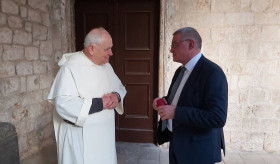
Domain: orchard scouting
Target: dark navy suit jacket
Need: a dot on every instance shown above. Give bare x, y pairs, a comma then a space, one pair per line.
200, 116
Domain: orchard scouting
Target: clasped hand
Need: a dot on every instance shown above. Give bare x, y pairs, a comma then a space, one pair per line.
165, 111
110, 101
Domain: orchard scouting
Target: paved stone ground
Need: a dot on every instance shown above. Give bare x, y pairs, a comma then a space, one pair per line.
140, 153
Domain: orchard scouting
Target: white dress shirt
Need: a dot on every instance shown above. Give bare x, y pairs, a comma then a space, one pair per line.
189, 67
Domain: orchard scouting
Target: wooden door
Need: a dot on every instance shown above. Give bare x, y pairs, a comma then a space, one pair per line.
134, 26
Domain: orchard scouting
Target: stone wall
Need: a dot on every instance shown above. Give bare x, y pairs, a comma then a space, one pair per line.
34, 34
243, 37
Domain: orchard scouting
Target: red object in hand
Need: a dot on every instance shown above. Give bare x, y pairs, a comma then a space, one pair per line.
161, 102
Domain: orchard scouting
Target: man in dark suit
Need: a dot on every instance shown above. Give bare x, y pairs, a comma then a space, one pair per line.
196, 113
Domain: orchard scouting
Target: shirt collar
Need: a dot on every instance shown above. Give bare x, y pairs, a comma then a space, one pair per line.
190, 65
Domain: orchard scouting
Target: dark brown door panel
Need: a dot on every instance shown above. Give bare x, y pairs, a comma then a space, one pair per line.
134, 26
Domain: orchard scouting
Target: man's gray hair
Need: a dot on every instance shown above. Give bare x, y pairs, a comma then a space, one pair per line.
189, 32
94, 36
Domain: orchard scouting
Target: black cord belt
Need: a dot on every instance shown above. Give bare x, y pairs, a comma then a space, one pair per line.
69, 122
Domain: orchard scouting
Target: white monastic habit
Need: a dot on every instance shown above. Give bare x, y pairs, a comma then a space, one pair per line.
92, 139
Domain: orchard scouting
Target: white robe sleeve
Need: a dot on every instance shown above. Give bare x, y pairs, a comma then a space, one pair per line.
120, 89
68, 103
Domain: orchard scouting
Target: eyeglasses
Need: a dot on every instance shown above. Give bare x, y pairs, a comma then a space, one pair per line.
175, 44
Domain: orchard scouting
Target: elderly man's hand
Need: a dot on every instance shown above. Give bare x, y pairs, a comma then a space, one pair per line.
166, 112
110, 101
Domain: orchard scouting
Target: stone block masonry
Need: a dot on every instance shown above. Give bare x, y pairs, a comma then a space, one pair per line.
243, 37
31, 42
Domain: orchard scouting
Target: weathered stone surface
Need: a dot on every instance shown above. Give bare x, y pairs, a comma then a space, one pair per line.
5, 35
45, 19
246, 18
58, 56
271, 33
230, 5
7, 69
33, 82
8, 144
46, 48
270, 126
22, 38
24, 68
9, 85
23, 2
9, 6
35, 111
261, 5
251, 33
46, 81
270, 142
14, 22
19, 114
28, 27
22, 84
13, 52
30, 98
266, 18
242, 36
40, 67
39, 4
232, 34
23, 144
250, 124
10, 102
31, 53
23, 12
207, 19
3, 19
57, 14
40, 32
263, 111
34, 16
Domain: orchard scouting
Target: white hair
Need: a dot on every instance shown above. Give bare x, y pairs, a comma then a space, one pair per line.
94, 36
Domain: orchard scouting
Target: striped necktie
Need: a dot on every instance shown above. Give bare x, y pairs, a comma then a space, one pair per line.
173, 92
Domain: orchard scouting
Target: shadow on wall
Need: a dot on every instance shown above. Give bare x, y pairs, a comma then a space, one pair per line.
8, 143
46, 156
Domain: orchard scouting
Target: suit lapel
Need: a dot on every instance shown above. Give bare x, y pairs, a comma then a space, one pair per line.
195, 73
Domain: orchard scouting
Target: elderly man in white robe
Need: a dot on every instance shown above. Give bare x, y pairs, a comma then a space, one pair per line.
85, 93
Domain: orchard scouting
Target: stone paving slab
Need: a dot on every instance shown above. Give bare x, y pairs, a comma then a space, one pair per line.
147, 153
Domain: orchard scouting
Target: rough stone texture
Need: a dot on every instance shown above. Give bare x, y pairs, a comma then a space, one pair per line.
31, 36
40, 67
39, 32
24, 68
243, 37
7, 69
28, 27
3, 19
22, 38
8, 144
40, 4
23, 12
13, 52
14, 22
31, 53
5, 35
9, 86
33, 83
9, 6
34, 16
